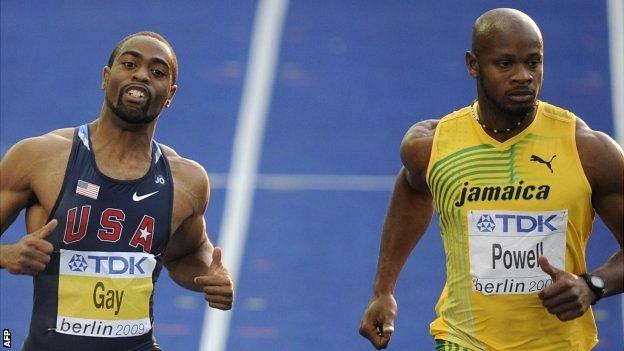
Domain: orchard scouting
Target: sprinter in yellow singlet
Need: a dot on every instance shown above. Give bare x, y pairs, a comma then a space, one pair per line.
516, 182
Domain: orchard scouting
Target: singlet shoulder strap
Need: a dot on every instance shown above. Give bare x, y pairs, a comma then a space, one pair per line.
156, 151
83, 135
68, 167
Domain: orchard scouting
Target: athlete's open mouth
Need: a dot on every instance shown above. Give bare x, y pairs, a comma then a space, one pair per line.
136, 94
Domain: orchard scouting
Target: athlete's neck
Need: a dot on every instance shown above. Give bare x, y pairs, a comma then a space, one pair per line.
500, 124
119, 153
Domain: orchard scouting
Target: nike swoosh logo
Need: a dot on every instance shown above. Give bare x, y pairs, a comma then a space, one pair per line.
136, 197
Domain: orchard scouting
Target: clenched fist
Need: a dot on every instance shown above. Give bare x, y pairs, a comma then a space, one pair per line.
378, 322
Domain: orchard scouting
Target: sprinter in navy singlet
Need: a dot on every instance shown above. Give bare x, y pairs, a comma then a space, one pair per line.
106, 208
108, 249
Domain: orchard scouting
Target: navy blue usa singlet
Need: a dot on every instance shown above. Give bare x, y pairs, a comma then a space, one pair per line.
96, 292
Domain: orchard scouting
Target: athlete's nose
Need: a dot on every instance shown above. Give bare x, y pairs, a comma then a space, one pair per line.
522, 75
141, 74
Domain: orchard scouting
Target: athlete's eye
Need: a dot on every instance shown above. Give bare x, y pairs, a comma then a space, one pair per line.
158, 73
128, 64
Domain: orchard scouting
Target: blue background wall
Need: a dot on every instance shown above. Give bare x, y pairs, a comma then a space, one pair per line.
352, 77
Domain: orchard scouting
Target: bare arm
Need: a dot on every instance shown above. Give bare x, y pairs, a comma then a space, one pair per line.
410, 209
570, 296
408, 216
189, 253
15, 190
190, 258
17, 168
608, 200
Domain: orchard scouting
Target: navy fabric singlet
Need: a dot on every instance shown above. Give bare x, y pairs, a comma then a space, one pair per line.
96, 292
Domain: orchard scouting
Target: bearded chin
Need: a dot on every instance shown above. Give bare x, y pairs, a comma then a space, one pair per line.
518, 111
131, 115
521, 110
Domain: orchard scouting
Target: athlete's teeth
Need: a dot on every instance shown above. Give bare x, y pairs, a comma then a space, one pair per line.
136, 93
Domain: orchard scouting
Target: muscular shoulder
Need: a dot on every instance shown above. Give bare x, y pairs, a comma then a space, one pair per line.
191, 182
416, 151
416, 145
35, 152
49, 143
598, 152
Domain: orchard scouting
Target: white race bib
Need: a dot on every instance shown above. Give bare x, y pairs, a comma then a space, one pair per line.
104, 294
505, 245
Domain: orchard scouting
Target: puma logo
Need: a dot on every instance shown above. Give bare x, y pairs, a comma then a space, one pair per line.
547, 163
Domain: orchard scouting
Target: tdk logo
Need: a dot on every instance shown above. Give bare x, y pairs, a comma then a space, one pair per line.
485, 223
77, 263
117, 264
518, 223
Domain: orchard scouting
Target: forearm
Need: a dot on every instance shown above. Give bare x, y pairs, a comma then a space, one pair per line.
409, 214
184, 269
612, 272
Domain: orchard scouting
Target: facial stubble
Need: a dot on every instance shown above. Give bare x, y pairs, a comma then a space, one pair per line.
131, 115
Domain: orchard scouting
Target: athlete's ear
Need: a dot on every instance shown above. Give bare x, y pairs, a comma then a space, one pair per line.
172, 91
472, 64
105, 74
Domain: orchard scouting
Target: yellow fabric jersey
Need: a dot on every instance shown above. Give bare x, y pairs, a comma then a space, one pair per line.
501, 205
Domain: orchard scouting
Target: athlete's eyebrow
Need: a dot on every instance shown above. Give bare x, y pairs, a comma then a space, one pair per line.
132, 53
137, 54
504, 56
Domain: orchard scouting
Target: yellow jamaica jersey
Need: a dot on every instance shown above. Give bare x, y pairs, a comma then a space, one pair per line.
501, 206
